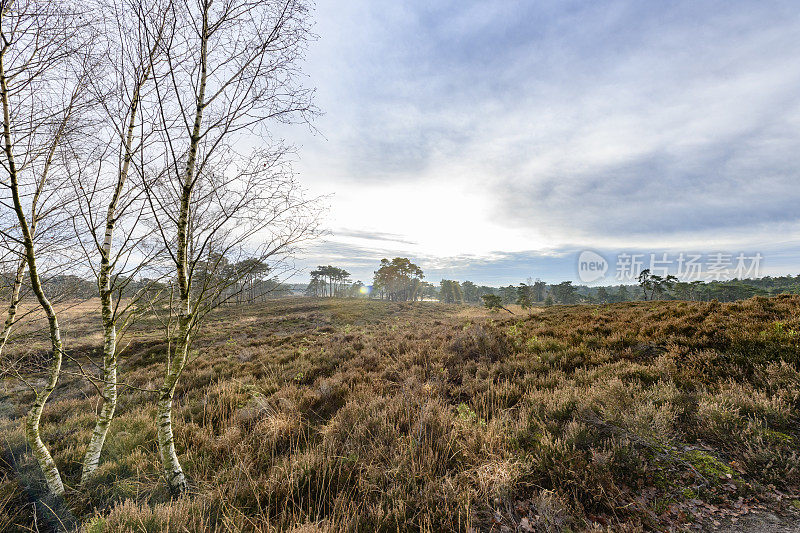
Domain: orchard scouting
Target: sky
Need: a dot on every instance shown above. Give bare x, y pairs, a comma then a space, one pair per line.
496, 141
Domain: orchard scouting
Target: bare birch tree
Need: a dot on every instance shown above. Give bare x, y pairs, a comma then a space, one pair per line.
107, 184
230, 68
44, 65
14, 287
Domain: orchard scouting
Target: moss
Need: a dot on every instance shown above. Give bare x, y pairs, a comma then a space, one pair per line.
688, 493
707, 465
776, 437
468, 415
96, 525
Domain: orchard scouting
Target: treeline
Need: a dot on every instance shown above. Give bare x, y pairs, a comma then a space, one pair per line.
330, 281
401, 280
397, 280
244, 282
723, 291
568, 293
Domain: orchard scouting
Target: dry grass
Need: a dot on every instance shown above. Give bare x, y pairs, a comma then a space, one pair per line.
310, 415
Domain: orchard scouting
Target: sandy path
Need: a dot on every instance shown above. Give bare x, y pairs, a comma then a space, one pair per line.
762, 523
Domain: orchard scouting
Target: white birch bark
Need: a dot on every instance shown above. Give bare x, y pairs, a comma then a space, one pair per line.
11, 314
28, 230
173, 471
33, 436
91, 459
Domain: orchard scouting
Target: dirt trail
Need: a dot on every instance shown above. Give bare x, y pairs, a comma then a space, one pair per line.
763, 523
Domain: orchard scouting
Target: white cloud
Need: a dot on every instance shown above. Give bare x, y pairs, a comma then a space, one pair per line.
474, 127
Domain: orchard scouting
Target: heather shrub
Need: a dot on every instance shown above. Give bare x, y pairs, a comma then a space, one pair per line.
376, 416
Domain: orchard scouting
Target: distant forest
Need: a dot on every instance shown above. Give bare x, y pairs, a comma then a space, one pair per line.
402, 280
233, 285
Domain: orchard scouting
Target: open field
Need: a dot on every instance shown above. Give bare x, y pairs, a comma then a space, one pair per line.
337, 415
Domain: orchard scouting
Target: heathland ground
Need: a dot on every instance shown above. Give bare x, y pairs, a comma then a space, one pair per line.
363, 415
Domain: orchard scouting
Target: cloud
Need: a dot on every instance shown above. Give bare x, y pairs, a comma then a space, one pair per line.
372, 236
457, 128
360, 261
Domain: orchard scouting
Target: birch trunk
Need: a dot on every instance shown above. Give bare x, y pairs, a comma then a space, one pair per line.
12, 304
166, 443
40, 451
177, 360
32, 434
92, 458
176, 480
